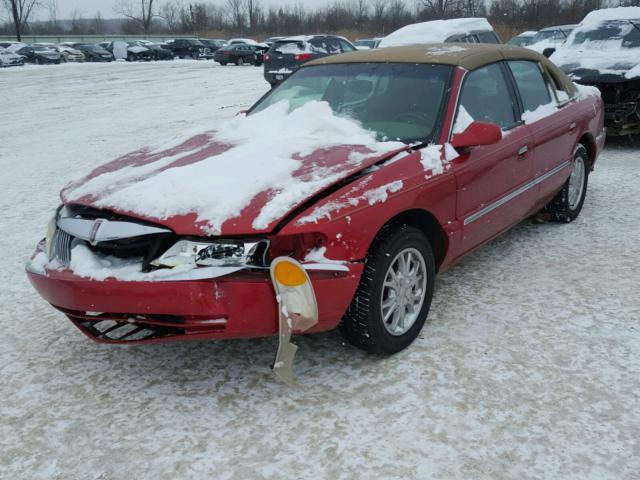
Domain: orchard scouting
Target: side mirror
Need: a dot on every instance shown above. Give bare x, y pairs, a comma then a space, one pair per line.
477, 134
547, 52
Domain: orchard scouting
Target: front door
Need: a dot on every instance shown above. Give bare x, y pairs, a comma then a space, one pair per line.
491, 180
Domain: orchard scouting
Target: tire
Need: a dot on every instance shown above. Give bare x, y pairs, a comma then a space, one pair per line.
568, 203
224, 64
363, 325
239, 61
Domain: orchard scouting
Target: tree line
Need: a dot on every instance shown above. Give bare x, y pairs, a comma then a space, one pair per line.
251, 18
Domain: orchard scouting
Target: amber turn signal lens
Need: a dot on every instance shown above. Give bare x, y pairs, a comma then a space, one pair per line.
289, 274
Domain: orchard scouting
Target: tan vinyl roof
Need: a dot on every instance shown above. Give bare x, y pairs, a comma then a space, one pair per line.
468, 56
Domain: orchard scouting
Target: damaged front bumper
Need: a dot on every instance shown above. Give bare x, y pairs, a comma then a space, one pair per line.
213, 303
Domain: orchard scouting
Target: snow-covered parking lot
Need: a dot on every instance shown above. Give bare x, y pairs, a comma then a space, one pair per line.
528, 368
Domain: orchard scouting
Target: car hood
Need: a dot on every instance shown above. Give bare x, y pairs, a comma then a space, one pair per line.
598, 65
216, 184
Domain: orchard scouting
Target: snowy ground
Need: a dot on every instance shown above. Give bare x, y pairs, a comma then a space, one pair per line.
529, 367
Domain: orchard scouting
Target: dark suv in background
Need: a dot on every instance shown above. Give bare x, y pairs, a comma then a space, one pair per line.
187, 48
287, 55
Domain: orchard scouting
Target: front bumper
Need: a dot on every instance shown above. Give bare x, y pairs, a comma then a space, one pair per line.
239, 305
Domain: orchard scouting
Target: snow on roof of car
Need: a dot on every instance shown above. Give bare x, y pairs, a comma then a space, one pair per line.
436, 31
602, 55
595, 18
528, 33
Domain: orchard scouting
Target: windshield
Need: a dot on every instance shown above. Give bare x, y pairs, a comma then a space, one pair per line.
397, 101
611, 34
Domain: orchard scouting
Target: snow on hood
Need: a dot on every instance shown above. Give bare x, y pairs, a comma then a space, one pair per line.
436, 31
242, 178
601, 57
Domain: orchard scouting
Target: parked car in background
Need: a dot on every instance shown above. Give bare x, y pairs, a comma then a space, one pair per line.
92, 52
239, 54
459, 30
10, 59
135, 52
604, 52
551, 37
358, 242
367, 43
523, 39
271, 40
39, 55
70, 54
187, 48
11, 45
156, 51
67, 54
213, 45
287, 55
245, 41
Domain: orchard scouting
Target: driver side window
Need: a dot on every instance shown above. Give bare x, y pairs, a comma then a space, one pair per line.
486, 97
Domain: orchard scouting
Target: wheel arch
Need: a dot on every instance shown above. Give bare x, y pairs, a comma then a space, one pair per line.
428, 224
589, 143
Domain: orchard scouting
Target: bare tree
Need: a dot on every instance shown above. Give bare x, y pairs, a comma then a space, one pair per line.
170, 13
142, 14
20, 11
236, 12
254, 11
440, 8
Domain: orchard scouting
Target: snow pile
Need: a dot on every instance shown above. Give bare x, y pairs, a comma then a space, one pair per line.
267, 148
463, 120
587, 91
611, 56
539, 113
436, 31
437, 51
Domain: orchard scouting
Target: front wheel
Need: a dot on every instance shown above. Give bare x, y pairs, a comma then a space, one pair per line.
568, 203
239, 61
394, 296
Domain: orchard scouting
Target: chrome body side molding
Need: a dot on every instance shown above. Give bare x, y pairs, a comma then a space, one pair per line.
498, 203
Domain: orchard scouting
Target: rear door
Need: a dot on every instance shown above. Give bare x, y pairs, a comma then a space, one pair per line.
492, 180
552, 124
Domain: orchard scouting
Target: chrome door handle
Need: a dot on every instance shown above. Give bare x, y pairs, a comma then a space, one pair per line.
523, 151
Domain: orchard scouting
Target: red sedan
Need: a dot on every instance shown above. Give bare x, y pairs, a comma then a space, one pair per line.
333, 203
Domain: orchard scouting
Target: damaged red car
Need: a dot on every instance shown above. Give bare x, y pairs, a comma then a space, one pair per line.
374, 171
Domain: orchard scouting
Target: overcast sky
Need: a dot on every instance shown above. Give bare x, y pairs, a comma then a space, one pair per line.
90, 7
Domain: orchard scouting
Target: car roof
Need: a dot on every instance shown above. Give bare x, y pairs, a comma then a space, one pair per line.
465, 55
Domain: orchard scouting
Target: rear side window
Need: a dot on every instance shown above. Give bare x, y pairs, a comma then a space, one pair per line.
326, 45
488, 37
346, 47
531, 84
486, 97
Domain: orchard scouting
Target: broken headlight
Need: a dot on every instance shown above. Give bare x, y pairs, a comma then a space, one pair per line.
219, 253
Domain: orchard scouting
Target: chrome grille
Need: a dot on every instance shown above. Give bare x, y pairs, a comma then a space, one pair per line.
61, 250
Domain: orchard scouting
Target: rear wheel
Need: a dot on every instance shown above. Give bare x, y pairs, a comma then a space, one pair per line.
239, 61
568, 203
394, 296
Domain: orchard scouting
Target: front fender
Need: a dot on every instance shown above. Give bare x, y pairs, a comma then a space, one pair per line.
351, 217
